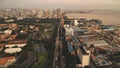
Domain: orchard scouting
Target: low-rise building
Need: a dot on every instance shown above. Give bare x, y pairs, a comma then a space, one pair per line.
13, 50
18, 43
96, 43
1, 46
8, 31
7, 61
84, 56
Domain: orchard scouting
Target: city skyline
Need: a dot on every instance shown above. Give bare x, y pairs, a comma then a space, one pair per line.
65, 4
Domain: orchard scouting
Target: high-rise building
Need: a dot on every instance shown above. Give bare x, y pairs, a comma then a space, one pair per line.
58, 12
40, 14
46, 13
33, 11
51, 13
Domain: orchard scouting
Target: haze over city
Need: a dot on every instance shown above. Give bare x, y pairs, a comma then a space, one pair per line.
69, 4
59, 34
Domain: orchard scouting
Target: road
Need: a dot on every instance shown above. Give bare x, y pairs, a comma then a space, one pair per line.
55, 62
58, 55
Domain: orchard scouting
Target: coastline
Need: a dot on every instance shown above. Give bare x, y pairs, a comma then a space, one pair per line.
107, 18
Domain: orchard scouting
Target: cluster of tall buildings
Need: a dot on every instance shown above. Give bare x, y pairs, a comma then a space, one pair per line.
30, 13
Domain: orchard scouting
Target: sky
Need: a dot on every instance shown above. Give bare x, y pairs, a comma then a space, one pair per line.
65, 4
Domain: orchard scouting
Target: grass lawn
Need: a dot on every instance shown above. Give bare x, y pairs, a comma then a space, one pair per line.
41, 60
36, 45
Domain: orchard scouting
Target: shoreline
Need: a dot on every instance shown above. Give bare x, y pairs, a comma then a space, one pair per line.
107, 18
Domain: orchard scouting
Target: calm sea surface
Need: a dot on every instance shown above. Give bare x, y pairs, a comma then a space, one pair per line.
108, 18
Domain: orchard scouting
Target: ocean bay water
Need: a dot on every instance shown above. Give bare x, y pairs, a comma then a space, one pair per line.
108, 18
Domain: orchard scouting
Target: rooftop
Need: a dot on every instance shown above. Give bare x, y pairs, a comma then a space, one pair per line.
12, 50
9, 58
20, 41
75, 40
101, 60
1, 45
96, 43
70, 48
4, 60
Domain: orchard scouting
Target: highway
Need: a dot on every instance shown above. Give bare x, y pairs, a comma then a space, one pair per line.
58, 57
55, 61
58, 61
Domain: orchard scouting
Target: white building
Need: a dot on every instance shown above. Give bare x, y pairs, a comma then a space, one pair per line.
51, 13
13, 45
84, 56
69, 30
33, 11
76, 22
32, 26
10, 20
13, 50
8, 32
40, 14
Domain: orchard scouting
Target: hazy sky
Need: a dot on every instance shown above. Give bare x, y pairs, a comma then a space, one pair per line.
70, 4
